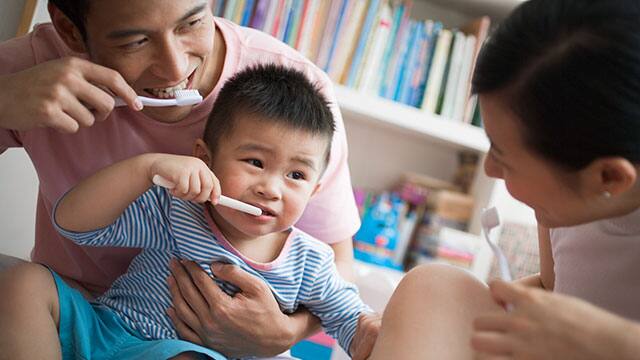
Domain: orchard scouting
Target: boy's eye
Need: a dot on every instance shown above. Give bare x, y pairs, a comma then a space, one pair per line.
296, 175
254, 162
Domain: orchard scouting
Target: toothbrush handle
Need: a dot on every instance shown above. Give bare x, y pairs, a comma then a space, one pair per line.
223, 201
239, 205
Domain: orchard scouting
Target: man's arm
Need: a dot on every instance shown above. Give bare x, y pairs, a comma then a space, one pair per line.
343, 252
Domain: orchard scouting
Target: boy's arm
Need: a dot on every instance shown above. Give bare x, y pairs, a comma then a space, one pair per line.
99, 200
336, 303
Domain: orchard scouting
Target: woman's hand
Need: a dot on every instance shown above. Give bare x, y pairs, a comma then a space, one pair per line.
546, 325
249, 323
191, 177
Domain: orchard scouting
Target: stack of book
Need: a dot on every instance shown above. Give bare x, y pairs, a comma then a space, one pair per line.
422, 220
376, 47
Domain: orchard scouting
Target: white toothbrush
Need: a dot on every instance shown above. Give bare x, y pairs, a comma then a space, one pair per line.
182, 98
490, 219
224, 201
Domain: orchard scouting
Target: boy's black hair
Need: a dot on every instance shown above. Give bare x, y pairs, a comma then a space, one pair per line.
76, 11
571, 72
273, 93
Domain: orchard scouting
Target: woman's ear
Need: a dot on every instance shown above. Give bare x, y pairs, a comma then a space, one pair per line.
612, 175
202, 152
68, 32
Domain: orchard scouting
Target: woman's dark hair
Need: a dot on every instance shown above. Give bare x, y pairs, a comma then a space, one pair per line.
272, 93
571, 72
76, 11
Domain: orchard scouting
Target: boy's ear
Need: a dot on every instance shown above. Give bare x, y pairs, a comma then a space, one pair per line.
68, 32
202, 152
614, 175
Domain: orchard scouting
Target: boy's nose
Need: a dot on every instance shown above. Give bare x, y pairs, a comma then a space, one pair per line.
268, 189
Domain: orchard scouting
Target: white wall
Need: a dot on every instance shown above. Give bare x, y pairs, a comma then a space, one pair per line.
18, 181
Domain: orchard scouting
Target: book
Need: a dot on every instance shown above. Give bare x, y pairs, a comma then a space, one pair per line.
409, 67
436, 73
271, 15
247, 11
385, 68
348, 40
260, 14
425, 59
369, 75
328, 38
462, 89
229, 8
364, 38
454, 74
285, 20
400, 45
319, 22
480, 29
305, 29
238, 11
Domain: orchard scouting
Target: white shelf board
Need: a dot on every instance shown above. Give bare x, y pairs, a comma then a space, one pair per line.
384, 112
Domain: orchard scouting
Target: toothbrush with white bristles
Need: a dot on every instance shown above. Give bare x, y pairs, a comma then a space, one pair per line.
182, 98
224, 201
490, 219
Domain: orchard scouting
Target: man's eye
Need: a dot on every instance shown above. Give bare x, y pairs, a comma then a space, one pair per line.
296, 175
135, 44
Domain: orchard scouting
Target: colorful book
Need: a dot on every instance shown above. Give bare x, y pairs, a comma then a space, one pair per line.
260, 14
238, 11
369, 75
454, 75
291, 32
229, 9
271, 15
304, 32
480, 29
365, 37
387, 68
435, 77
348, 36
247, 12
409, 63
319, 23
463, 87
328, 39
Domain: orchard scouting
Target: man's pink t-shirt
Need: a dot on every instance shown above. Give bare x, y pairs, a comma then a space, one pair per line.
61, 160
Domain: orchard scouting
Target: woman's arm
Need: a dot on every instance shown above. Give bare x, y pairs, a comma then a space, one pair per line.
545, 278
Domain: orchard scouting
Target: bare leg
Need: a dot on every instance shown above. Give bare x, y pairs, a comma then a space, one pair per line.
430, 315
29, 311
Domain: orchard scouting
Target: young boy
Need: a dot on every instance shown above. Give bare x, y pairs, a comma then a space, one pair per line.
267, 142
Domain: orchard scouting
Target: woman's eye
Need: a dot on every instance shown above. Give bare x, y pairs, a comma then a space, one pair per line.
296, 175
195, 22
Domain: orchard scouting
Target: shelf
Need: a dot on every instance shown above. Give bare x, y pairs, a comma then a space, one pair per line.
387, 113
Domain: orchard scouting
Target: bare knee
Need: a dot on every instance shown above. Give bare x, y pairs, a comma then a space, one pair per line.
29, 284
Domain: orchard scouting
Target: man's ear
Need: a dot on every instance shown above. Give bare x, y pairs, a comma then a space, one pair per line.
316, 189
613, 175
68, 32
202, 152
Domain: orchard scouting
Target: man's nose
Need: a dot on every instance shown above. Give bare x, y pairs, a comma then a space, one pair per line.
172, 62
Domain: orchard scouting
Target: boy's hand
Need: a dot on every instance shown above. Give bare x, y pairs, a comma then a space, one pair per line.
191, 177
64, 94
545, 325
365, 336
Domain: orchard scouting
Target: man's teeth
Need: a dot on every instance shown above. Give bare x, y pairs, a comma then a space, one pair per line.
168, 93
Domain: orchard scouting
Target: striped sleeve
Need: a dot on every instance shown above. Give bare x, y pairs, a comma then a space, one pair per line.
335, 302
143, 224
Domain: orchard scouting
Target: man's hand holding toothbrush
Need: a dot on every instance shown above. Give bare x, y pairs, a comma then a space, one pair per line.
63, 94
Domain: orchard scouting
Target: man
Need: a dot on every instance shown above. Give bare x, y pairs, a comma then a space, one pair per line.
56, 87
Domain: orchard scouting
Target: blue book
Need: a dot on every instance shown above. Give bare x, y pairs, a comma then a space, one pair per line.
398, 58
431, 33
397, 19
409, 68
358, 56
294, 16
246, 13
334, 41
218, 9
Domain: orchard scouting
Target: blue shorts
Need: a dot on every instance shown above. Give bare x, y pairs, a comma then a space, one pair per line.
94, 331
